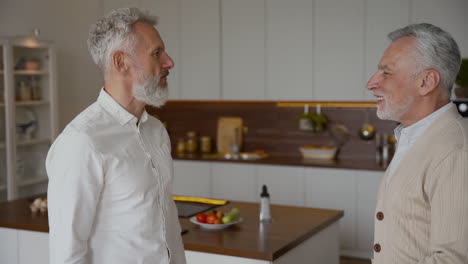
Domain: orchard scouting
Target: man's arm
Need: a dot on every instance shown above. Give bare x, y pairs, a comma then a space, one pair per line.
449, 211
76, 177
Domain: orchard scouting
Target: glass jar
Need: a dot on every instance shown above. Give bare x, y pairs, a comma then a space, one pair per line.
180, 146
205, 144
24, 93
191, 144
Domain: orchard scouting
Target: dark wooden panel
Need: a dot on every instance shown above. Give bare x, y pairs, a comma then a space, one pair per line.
270, 128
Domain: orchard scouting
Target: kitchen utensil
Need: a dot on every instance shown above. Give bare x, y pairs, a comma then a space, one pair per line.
367, 130
340, 134
193, 219
226, 133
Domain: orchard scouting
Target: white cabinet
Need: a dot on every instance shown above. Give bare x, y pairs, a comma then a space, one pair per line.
289, 43
449, 15
382, 17
339, 50
168, 13
192, 178
30, 113
33, 247
200, 50
334, 189
23, 247
367, 188
234, 182
9, 246
285, 184
243, 49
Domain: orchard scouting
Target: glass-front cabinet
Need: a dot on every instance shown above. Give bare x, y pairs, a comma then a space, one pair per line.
3, 167
29, 115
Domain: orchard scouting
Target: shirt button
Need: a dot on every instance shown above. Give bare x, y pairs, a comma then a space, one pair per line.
380, 216
377, 247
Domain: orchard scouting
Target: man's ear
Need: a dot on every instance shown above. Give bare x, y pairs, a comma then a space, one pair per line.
429, 81
119, 61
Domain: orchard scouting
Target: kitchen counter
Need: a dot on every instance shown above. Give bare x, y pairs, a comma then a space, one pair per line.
291, 227
357, 164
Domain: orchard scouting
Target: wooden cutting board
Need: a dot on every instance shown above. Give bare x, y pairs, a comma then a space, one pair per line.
225, 136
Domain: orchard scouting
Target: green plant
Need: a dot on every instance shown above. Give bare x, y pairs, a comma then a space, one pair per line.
318, 122
462, 77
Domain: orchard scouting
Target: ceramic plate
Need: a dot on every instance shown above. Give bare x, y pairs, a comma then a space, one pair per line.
193, 219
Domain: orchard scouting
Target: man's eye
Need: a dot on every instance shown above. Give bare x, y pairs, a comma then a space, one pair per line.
156, 54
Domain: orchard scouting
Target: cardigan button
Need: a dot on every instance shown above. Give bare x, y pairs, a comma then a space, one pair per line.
380, 216
377, 248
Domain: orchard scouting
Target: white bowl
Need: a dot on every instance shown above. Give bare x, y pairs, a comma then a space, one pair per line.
193, 219
318, 152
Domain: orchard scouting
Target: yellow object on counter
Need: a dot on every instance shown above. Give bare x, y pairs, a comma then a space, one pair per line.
199, 200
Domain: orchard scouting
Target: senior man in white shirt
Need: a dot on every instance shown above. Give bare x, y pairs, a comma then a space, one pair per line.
422, 207
110, 170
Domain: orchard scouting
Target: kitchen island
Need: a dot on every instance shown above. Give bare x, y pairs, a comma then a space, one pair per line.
296, 235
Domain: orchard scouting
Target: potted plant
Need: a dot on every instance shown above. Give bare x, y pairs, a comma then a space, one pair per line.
315, 122
462, 80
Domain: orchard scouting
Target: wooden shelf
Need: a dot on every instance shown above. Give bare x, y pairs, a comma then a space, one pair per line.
32, 102
33, 142
25, 72
32, 181
28, 142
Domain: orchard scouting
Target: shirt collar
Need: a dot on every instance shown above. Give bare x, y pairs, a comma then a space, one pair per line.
412, 132
117, 111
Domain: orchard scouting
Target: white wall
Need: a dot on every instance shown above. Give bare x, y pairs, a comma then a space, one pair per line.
311, 48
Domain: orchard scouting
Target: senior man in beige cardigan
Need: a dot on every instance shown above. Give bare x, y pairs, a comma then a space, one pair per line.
422, 206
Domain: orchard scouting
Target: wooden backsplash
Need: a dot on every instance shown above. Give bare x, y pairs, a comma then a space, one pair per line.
270, 127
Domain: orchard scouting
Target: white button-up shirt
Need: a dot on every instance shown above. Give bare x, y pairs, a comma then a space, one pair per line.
407, 136
110, 190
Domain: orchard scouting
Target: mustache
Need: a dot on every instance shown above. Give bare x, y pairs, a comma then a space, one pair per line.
164, 73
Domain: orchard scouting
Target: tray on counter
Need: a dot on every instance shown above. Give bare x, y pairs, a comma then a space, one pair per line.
188, 209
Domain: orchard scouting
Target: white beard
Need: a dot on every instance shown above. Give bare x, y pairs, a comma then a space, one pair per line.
395, 112
150, 92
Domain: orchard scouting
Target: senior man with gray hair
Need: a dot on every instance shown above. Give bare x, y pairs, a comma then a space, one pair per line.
110, 170
422, 206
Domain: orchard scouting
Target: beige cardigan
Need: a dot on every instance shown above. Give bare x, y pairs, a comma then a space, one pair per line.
422, 213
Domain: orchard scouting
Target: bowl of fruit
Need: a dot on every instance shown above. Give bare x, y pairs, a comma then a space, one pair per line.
217, 220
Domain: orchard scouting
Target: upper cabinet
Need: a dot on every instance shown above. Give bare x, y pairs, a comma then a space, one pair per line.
382, 17
169, 27
243, 49
339, 50
289, 47
450, 15
286, 50
200, 49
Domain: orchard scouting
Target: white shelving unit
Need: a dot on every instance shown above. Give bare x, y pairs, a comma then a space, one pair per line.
28, 115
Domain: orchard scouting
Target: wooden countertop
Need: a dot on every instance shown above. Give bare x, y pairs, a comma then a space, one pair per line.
16, 214
357, 164
290, 227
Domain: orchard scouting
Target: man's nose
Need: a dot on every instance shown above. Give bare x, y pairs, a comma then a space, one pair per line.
373, 82
168, 63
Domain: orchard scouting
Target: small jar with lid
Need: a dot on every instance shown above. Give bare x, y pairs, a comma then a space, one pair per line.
205, 144
24, 92
180, 146
191, 145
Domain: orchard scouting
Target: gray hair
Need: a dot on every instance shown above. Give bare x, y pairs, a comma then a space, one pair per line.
113, 32
435, 49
